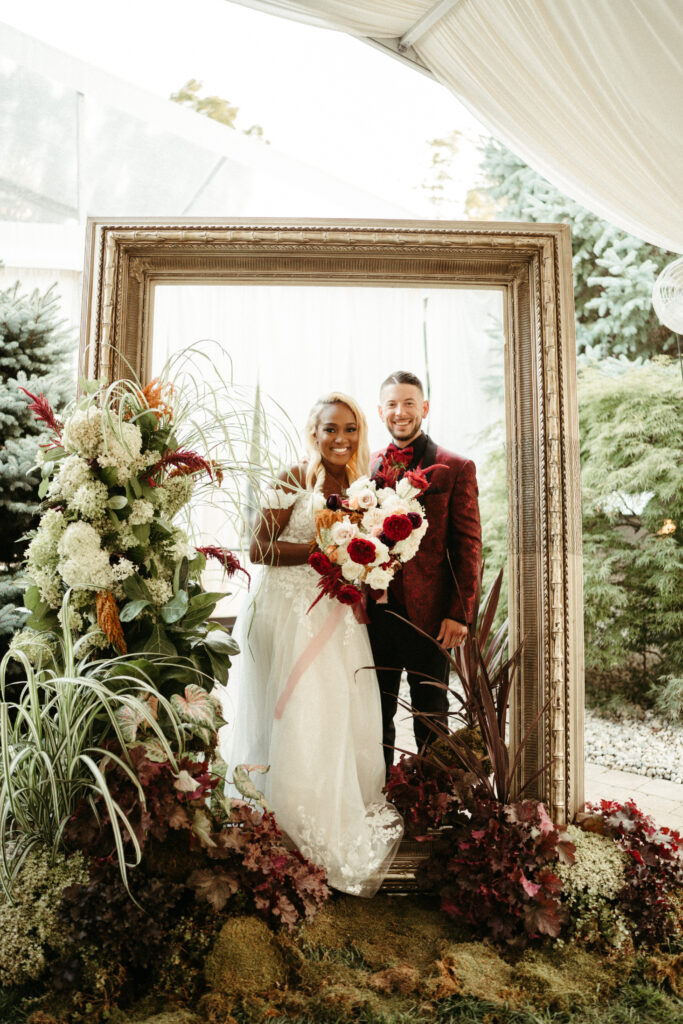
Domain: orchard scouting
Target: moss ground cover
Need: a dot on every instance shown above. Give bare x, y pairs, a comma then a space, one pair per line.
390, 960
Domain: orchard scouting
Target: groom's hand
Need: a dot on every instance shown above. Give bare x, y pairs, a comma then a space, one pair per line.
451, 634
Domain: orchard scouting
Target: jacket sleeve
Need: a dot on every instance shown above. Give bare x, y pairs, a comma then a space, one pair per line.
464, 542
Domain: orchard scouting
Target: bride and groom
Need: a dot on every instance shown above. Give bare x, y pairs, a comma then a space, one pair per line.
323, 743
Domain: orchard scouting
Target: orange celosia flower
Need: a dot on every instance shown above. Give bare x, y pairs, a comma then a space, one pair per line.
156, 397
108, 620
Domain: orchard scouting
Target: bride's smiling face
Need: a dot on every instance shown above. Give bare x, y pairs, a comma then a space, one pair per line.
336, 434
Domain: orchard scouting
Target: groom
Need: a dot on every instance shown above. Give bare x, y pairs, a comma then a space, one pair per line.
424, 592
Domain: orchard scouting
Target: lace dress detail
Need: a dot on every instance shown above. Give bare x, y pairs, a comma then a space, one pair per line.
325, 754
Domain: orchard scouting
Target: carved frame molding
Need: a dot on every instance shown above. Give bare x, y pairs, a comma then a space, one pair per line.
531, 264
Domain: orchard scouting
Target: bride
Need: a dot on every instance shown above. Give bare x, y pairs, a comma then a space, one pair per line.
301, 697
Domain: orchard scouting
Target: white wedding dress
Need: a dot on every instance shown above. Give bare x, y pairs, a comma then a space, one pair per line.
324, 750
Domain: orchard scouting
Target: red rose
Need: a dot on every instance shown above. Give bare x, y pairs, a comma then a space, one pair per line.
415, 519
397, 527
320, 562
361, 551
347, 594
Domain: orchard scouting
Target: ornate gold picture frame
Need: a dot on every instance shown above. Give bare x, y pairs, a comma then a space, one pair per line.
531, 264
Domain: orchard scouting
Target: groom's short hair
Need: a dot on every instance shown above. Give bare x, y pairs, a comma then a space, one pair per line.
402, 377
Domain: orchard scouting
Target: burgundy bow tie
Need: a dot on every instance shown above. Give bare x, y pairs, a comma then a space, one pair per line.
396, 454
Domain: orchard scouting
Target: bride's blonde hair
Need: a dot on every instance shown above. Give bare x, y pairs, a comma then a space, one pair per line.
358, 464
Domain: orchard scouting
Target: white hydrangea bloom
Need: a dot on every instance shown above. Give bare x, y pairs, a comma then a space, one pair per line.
121, 448
125, 538
172, 495
83, 562
49, 585
160, 590
34, 645
73, 473
76, 620
122, 570
179, 546
141, 512
83, 432
43, 549
90, 500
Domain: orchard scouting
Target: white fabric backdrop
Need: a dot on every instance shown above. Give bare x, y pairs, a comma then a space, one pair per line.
302, 342
588, 92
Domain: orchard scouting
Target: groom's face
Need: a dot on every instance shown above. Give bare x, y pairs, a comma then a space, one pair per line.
402, 408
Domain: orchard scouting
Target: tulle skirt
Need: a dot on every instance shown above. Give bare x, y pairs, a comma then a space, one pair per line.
326, 771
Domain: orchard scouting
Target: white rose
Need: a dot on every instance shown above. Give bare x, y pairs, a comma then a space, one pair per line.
352, 571
343, 532
363, 483
381, 552
363, 499
379, 579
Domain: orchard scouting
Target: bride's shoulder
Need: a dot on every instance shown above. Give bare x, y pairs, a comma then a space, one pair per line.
293, 480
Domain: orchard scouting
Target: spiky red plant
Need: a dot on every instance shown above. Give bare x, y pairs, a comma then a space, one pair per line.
43, 412
223, 555
184, 463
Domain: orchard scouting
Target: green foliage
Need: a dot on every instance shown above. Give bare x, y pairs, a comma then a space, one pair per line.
29, 925
633, 528
52, 745
211, 106
613, 271
35, 350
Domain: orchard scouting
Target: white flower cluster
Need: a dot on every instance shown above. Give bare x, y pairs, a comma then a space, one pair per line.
592, 883
83, 561
43, 557
358, 564
120, 448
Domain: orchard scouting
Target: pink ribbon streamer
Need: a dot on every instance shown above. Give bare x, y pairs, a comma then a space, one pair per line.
309, 654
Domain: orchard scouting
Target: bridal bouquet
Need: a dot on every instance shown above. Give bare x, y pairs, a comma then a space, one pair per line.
365, 538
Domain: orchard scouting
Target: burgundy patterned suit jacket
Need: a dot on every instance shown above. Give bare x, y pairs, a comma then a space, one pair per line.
452, 510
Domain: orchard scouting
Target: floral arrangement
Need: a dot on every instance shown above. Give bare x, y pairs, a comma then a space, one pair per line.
115, 475
653, 871
364, 538
494, 870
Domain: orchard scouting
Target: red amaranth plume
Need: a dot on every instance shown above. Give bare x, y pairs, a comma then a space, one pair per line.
418, 477
184, 464
223, 555
43, 412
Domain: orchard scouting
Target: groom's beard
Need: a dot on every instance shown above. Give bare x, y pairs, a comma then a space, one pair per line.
402, 441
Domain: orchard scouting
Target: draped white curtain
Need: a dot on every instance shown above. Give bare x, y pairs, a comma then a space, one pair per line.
588, 92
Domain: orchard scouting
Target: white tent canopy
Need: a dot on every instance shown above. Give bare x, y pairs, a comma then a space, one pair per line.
588, 92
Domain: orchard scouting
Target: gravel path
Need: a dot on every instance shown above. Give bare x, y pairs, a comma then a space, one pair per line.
650, 746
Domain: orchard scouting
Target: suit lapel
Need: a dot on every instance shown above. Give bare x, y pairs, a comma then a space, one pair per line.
429, 457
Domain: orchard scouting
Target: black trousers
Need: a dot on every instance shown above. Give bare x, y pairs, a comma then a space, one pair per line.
397, 646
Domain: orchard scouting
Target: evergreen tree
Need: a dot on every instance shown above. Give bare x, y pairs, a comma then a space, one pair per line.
633, 529
35, 353
613, 271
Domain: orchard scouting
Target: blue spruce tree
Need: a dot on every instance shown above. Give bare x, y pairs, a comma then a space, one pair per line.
36, 352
